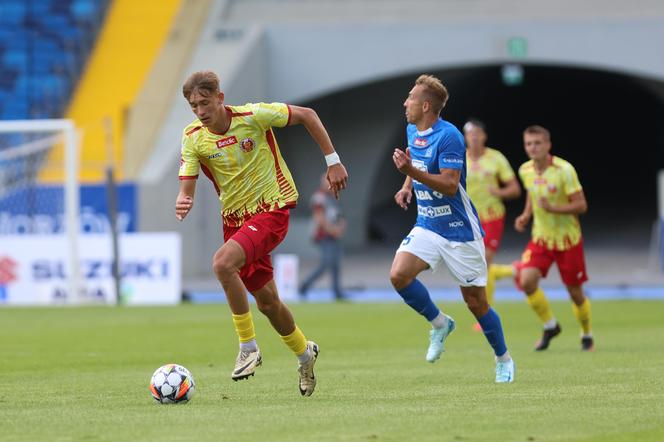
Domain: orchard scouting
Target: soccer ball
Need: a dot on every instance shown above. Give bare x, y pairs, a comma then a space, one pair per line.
172, 384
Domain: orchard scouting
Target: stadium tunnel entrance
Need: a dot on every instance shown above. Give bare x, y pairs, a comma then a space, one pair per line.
607, 124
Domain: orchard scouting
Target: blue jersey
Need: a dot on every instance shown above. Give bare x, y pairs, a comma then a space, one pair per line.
442, 147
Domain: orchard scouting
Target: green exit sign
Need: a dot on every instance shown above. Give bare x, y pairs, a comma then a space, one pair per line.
517, 47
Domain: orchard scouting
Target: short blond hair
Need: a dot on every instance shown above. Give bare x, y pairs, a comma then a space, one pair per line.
202, 80
434, 90
538, 130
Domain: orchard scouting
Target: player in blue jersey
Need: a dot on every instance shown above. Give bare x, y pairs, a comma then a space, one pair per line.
447, 228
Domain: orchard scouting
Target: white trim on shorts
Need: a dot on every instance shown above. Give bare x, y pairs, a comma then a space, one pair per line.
465, 261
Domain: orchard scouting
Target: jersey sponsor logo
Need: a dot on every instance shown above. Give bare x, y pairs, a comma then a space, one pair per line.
453, 160
419, 165
225, 142
455, 225
434, 211
423, 195
421, 142
247, 144
216, 155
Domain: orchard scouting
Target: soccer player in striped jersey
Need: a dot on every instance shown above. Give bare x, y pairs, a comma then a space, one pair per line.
236, 148
447, 229
491, 180
555, 201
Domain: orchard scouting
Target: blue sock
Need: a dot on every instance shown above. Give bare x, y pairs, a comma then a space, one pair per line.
493, 331
417, 297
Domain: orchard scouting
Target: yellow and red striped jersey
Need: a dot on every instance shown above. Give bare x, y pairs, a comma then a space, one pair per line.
244, 164
489, 170
558, 181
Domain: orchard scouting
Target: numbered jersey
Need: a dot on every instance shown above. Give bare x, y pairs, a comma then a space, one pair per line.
442, 147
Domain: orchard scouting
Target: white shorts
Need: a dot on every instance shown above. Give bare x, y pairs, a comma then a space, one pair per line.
466, 261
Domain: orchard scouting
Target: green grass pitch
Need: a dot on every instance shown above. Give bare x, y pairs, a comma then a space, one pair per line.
82, 374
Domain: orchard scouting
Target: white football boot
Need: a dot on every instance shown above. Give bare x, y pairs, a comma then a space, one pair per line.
306, 371
245, 364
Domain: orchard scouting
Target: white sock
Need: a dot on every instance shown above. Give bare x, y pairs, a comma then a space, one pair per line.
551, 324
439, 321
249, 346
304, 357
504, 358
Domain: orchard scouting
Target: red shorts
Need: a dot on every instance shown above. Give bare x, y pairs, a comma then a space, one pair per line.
571, 263
258, 236
493, 233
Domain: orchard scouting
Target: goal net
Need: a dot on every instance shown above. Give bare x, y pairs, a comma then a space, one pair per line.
39, 202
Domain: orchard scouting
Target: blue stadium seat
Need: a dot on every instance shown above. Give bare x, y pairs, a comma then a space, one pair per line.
8, 78
41, 7
84, 10
12, 12
14, 36
43, 48
15, 58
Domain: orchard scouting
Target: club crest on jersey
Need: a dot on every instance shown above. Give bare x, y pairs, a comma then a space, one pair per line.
247, 144
225, 142
421, 142
552, 188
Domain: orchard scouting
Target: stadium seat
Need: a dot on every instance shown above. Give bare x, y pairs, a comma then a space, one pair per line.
12, 12
13, 58
43, 47
84, 10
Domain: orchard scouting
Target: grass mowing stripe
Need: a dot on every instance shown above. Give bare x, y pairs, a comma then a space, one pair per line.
82, 374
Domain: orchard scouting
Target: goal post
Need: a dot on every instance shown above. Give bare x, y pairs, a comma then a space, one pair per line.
37, 140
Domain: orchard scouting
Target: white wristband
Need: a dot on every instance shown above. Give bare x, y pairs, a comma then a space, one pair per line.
332, 159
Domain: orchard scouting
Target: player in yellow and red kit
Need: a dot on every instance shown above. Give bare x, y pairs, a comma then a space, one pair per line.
490, 181
555, 199
236, 148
